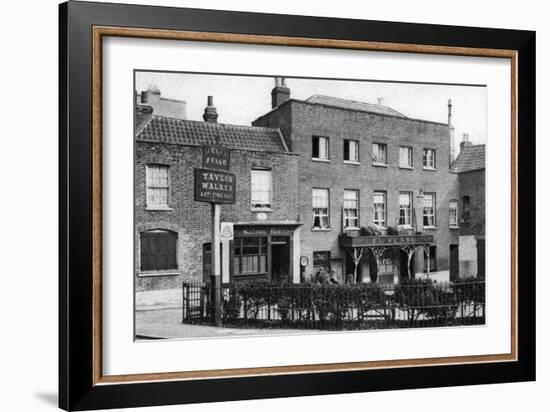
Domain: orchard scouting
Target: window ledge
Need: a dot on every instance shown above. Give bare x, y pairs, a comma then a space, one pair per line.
318, 229
159, 273
429, 227
261, 209
430, 169
380, 164
316, 159
159, 209
406, 167
454, 227
351, 162
352, 229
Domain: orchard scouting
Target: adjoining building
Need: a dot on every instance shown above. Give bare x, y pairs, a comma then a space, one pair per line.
172, 231
162, 106
470, 167
368, 166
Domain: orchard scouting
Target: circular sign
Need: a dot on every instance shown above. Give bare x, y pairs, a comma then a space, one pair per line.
261, 216
304, 261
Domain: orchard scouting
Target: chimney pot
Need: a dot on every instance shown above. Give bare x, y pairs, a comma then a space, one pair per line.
210, 113
380, 101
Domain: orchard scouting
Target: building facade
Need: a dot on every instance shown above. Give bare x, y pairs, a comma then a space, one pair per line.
369, 166
172, 231
470, 167
324, 186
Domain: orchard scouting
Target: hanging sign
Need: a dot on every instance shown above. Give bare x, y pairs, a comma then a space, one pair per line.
214, 186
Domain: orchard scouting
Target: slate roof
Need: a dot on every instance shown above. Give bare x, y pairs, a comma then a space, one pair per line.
191, 132
353, 105
470, 158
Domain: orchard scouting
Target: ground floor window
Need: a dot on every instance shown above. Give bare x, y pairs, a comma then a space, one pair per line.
250, 255
321, 263
158, 250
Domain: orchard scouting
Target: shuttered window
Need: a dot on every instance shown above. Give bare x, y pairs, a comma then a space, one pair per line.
158, 186
158, 250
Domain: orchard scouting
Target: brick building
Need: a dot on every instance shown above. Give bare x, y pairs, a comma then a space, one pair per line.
368, 166
172, 231
352, 188
470, 167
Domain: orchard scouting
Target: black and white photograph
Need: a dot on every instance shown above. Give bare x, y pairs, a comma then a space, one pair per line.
286, 205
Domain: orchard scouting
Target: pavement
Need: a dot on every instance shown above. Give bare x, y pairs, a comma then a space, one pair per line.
166, 324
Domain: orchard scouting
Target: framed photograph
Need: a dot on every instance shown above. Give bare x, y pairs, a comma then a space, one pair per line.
257, 206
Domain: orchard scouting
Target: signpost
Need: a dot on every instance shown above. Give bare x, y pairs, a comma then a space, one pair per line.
214, 185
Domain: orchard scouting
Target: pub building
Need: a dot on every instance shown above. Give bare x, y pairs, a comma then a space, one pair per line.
173, 231
321, 185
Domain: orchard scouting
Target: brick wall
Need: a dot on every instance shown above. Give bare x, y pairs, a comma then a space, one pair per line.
299, 122
190, 219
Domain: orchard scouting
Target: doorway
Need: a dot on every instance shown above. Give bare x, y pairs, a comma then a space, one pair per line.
403, 270
453, 262
280, 258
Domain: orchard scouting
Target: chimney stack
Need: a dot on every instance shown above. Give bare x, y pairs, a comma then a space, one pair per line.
151, 96
451, 133
465, 141
280, 93
210, 112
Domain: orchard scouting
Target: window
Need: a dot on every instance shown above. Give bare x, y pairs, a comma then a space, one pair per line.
405, 156
380, 209
429, 210
158, 250
465, 209
379, 153
429, 159
386, 268
453, 213
261, 189
321, 260
405, 208
320, 208
351, 209
351, 151
157, 181
431, 259
319, 148
250, 255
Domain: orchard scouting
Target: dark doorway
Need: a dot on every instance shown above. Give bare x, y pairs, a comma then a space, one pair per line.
481, 258
280, 258
403, 259
454, 264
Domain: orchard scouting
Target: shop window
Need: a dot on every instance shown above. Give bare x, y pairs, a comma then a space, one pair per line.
250, 255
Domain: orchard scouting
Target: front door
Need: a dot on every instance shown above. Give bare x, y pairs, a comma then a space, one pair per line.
454, 263
280, 258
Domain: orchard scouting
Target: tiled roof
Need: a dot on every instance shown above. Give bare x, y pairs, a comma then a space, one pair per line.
177, 131
142, 116
353, 105
470, 158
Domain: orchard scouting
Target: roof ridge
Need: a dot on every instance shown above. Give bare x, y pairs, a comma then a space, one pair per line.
212, 124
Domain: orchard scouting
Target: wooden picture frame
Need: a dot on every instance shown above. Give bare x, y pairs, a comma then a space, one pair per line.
82, 386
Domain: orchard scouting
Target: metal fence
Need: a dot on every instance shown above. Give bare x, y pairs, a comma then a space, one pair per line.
416, 303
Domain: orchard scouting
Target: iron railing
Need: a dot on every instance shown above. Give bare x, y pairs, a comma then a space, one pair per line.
337, 307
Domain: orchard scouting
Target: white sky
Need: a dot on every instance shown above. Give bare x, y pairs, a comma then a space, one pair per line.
242, 99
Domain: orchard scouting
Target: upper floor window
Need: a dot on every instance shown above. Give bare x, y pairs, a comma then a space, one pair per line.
453, 213
428, 211
158, 186
405, 156
428, 161
379, 154
158, 250
320, 203
405, 208
319, 148
351, 151
465, 209
379, 202
351, 209
261, 189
